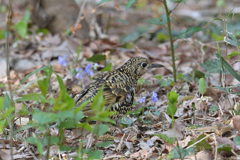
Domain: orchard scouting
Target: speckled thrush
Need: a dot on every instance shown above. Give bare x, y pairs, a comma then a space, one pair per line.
119, 86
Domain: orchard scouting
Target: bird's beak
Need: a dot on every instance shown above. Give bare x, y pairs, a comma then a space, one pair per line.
154, 65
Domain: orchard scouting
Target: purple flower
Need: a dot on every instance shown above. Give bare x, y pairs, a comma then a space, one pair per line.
142, 100
80, 73
154, 97
63, 60
88, 70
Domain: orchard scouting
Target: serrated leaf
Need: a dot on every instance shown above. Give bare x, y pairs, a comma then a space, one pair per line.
129, 4
44, 117
107, 68
212, 66
97, 58
103, 1
32, 97
158, 21
202, 86
190, 31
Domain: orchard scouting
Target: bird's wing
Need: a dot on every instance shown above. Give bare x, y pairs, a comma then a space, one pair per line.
113, 91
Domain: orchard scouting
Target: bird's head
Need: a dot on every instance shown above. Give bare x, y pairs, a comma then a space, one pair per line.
138, 66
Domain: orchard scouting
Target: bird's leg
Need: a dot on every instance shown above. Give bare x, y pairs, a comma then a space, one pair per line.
118, 124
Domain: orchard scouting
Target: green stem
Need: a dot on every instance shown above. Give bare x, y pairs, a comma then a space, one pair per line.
171, 41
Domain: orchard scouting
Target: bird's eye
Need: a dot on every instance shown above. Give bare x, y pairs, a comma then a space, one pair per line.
144, 64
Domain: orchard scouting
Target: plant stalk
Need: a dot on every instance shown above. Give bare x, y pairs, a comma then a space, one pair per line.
171, 41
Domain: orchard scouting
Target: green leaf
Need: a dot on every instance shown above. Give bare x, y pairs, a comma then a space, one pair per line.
198, 74
229, 68
132, 36
44, 84
213, 108
202, 86
190, 31
79, 50
126, 121
171, 109
1, 103
172, 96
179, 152
167, 139
97, 58
175, 46
141, 80
44, 31
33, 97
202, 145
107, 68
26, 16
129, 4
178, 1
103, 1
104, 144
224, 147
96, 154
218, 19
63, 115
100, 129
44, 117
37, 142
229, 14
212, 66
158, 76
21, 28
179, 75
32, 73
2, 34
166, 82
237, 140
98, 101
161, 37
233, 54
85, 125
158, 21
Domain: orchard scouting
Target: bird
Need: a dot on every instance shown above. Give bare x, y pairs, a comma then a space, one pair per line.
119, 87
